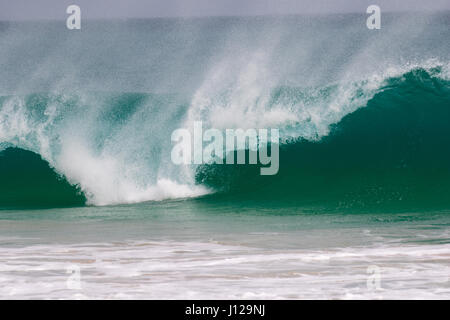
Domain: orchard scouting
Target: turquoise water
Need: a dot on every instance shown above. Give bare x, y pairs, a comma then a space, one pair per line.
87, 184
202, 250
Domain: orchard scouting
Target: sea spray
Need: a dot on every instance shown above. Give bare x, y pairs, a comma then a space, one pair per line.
100, 106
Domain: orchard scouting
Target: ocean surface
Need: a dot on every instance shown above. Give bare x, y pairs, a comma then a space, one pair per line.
91, 205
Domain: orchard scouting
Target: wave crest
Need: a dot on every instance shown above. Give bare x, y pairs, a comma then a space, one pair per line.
116, 146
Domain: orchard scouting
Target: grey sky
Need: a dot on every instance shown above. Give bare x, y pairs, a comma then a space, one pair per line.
105, 9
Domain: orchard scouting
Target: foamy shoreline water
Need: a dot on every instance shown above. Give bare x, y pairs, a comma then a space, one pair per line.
190, 250
174, 270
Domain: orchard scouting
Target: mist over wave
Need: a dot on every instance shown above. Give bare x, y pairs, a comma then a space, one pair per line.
99, 106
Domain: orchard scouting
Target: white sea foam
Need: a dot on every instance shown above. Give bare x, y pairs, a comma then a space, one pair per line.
208, 270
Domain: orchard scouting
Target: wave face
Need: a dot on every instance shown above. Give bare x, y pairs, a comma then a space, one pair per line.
28, 182
393, 152
363, 114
